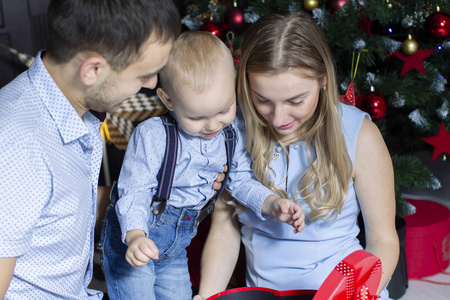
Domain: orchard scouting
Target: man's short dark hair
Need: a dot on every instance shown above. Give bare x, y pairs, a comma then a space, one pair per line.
115, 29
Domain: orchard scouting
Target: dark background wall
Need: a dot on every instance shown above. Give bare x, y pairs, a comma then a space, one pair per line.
23, 27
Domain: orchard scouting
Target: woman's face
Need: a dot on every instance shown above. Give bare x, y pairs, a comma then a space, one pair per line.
285, 100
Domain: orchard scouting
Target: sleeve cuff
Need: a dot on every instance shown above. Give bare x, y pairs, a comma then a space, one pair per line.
128, 227
132, 223
14, 248
254, 198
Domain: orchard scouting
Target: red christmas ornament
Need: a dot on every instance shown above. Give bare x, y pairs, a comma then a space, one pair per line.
439, 25
414, 61
214, 28
334, 5
233, 19
374, 104
441, 142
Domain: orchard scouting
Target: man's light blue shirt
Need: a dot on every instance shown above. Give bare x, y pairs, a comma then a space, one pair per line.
50, 161
199, 161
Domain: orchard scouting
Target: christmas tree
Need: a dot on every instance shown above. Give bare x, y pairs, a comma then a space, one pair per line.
392, 59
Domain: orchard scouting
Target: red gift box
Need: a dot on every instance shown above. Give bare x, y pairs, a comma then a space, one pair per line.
356, 277
259, 293
427, 240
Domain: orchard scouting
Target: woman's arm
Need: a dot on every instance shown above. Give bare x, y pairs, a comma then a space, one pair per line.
221, 250
374, 184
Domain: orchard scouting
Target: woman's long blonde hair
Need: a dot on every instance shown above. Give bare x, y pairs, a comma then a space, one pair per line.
291, 41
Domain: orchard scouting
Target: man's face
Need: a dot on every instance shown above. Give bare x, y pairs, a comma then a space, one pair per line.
117, 87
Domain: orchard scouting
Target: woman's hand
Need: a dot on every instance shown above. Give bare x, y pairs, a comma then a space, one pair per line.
217, 184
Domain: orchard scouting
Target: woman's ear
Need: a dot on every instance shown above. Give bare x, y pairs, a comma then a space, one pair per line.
324, 83
93, 69
165, 98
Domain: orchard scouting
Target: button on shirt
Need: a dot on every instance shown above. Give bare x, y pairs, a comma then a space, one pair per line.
199, 161
50, 161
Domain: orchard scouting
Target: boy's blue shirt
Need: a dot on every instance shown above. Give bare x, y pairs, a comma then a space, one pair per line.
199, 162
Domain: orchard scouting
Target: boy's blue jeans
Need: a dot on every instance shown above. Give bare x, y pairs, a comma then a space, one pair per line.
165, 278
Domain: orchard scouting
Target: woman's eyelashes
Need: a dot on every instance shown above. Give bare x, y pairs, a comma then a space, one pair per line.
296, 103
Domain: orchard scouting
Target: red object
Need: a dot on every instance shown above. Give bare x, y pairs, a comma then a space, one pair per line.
356, 277
441, 142
253, 293
233, 19
350, 95
439, 25
334, 5
427, 239
214, 28
414, 61
374, 104
365, 25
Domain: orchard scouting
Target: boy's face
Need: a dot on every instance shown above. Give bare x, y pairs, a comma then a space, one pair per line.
206, 113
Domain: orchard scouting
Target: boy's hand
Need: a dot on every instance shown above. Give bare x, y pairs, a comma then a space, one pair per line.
198, 297
286, 211
140, 248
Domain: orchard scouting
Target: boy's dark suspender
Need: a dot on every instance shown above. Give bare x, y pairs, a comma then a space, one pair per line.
165, 175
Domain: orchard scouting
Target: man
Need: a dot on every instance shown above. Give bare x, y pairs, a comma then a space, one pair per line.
99, 54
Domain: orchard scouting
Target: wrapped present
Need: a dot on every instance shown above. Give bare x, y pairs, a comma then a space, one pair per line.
259, 293
356, 277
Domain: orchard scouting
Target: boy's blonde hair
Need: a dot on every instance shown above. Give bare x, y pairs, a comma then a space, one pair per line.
291, 41
195, 60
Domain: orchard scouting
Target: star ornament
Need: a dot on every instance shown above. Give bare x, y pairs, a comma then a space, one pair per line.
441, 142
414, 61
365, 25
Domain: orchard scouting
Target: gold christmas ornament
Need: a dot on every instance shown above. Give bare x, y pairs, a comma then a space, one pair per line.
410, 46
389, 4
311, 4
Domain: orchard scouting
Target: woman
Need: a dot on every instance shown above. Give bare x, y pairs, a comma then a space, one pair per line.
307, 146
